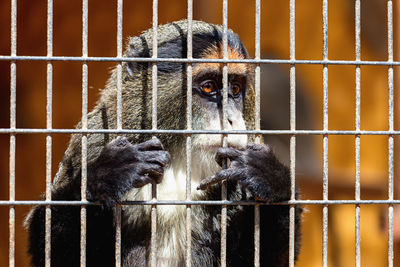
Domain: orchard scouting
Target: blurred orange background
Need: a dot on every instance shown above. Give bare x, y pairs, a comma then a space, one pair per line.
67, 84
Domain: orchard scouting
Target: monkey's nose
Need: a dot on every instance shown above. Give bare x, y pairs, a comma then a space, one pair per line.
230, 122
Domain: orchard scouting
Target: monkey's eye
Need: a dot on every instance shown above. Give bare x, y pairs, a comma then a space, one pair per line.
208, 87
236, 89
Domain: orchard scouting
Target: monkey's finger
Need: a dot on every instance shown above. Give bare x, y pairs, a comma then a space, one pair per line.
258, 147
152, 144
154, 171
227, 152
120, 141
142, 181
220, 176
159, 157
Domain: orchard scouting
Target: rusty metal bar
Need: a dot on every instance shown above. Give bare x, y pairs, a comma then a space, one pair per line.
257, 86
119, 127
119, 66
390, 137
153, 249
357, 126
292, 137
200, 202
189, 72
201, 60
49, 126
13, 125
325, 137
162, 131
224, 126
84, 126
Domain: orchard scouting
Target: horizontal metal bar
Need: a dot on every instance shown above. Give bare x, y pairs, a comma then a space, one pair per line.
160, 131
199, 60
202, 202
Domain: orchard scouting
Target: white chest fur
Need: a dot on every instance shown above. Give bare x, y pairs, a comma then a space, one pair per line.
171, 219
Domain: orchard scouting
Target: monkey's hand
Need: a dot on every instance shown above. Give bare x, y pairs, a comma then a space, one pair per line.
122, 166
255, 168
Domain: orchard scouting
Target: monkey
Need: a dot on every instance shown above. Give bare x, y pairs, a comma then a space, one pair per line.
124, 168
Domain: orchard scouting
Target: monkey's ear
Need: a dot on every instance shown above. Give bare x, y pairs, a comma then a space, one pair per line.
131, 66
138, 47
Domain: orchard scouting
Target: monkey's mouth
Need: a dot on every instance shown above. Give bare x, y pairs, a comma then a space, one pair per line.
214, 142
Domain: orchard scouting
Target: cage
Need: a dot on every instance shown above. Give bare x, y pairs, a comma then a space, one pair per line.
48, 69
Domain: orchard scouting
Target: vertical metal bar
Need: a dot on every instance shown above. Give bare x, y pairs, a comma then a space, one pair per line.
13, 125
118, 236
153, 250
325, 137
357, 124
119, 66
292, 137
391, 128
224, 126
189, 137
119, 126
257, 127
84, 127
49, 126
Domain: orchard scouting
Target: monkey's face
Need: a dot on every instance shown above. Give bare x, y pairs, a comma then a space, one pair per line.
207, 86
207, 100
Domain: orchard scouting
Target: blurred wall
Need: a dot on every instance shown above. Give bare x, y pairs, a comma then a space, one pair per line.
31, 102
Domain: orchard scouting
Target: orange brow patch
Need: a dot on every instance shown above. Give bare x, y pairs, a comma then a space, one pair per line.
216, 53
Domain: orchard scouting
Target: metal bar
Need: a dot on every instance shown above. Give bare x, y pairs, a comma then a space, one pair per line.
325, 137
13, 125
119, 127
153, 249
201, 60
49, 112
84, 126
357, 126
160, 131
118, 215
224, 126
257, 126
292, 137
206, 202
390, 137
189, 72
396, 88
119, 66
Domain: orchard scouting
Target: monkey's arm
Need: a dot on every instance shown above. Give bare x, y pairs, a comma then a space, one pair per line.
119, 167
258, 170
